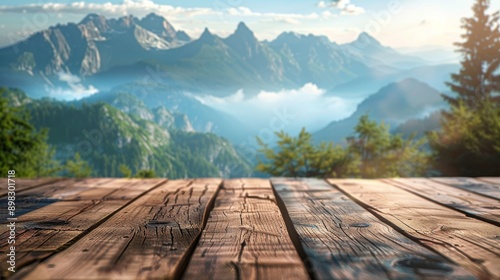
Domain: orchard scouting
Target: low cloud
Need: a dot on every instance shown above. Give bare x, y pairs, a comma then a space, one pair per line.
309, 105
73, 89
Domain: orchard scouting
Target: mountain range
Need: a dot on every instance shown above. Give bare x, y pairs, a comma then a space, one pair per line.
148, 82
102, 52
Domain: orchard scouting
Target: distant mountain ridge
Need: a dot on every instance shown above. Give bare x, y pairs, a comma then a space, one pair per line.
393, 104
368, 49
103, 52
92, 45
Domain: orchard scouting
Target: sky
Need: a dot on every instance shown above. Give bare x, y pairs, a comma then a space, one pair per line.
396, 23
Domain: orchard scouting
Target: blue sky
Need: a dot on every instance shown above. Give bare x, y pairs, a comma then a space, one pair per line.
397, 23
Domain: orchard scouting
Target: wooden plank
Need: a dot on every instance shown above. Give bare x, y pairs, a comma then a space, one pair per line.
472, 243
469, 203
22, 184
245, 237
50, 228
341, 240
43, 195
150, 238
491, 180
472, 185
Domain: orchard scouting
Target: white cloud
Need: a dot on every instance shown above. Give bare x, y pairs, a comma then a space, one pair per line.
352, 10
74, 90
135, 7
345, 7
311, 107
321, 4
244, 11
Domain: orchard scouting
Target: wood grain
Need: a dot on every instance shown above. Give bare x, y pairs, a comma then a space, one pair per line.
490, 180
341, 240
22, 184
245, 237
45, 194
150, 238
469, 203
472, 243
472, 185
46, 230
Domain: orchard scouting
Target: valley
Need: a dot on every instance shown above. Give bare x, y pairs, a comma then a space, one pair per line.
188, 107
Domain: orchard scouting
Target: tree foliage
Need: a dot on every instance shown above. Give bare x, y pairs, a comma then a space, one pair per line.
478, 80
469, 141
298, 157
145, 173
77, 167
371, 152
382, 154
22, 147
125, 171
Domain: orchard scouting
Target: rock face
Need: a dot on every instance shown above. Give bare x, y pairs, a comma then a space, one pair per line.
168, 120
159, 26
93, 45
259, 56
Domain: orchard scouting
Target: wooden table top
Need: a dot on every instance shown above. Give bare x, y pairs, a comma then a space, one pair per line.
283, 228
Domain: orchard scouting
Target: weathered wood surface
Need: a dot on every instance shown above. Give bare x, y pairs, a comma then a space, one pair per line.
154, 228
473, 185
245, 237
26, 184
342, 240
472, 204
490, 180
472, 243
149, 238
40, 195
76, 206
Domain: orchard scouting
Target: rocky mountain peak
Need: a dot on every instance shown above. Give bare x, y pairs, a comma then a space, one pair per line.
183, 36
123, 24
366, 39
92, 17
207, 36
95, 21
159, 26
152, 17
243, 30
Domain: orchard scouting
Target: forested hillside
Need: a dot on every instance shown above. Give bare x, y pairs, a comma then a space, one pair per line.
107, 138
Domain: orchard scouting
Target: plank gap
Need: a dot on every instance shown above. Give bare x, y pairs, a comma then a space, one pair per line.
293, 234
184, 262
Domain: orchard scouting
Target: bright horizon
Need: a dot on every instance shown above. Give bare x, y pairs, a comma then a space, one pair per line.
395, 23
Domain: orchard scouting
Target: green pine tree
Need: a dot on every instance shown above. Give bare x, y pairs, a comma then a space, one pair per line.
469, 141
125, 171
478, 80
44, 164
382, 154
22, 148
77, 167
